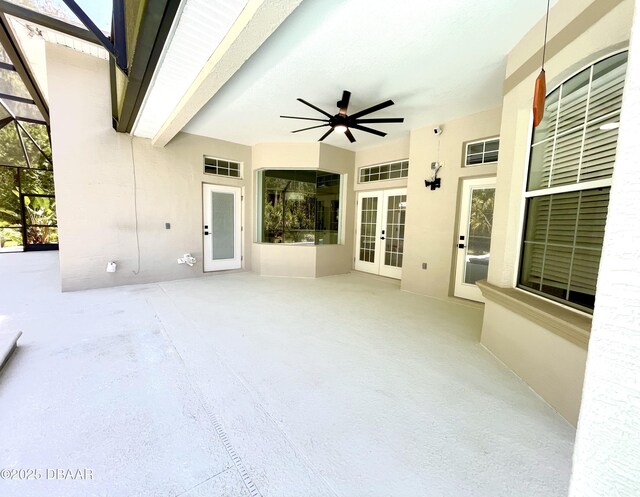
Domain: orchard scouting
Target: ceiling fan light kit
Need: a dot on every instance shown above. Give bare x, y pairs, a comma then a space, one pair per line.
344, 123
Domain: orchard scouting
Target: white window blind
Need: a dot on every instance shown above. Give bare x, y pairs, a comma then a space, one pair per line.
568, 145
571, 164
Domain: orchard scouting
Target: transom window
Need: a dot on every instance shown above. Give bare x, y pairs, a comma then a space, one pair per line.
221, 167
381, 172
481, 152
567, 195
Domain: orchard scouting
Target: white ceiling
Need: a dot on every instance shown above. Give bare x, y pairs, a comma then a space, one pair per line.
437, 60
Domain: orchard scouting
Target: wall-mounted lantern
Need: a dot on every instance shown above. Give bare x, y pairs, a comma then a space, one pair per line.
435, 181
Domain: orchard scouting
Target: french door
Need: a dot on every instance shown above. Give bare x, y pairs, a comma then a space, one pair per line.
222, 227
474, 238
380, 232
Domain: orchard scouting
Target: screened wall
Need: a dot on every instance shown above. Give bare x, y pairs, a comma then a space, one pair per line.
27, 198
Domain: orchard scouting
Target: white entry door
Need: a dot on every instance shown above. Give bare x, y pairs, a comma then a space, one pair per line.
474, 238
222, 227
380, 232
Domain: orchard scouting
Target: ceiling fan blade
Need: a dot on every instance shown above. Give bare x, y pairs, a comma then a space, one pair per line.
382, 120
326, 134
372, 109
368, 130
306, 118
348, 134
344, 102
312, 127
314, 107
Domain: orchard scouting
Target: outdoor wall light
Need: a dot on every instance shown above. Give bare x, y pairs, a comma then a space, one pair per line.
435, 181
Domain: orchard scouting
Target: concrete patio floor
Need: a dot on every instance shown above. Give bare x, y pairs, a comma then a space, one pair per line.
237, 385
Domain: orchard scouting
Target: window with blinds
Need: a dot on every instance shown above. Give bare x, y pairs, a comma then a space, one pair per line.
572, 156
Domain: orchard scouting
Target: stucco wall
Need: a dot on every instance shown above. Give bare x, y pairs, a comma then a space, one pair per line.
95, 184
388, 151
431, 222
338, 259
550, 364
607, 451
579, 32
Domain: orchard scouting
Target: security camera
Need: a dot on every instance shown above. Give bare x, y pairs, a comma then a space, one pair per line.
437, 130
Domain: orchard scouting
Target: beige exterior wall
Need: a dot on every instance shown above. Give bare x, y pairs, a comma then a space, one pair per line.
551, 365
432, 216
95, 192
338, 259
306, 261
580, 31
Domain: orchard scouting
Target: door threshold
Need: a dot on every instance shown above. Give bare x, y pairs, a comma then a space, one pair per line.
376, 277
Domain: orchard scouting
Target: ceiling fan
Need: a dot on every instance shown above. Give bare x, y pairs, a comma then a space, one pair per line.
343, 122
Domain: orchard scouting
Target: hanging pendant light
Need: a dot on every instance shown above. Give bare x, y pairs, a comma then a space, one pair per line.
540, 91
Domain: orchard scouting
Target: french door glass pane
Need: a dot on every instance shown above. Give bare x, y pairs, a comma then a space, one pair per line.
222, 225
479, 239
394, 234
368, 220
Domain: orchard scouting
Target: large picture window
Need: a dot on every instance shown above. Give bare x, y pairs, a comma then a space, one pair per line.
299, 206
567, 194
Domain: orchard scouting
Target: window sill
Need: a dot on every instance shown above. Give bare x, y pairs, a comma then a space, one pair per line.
566, 323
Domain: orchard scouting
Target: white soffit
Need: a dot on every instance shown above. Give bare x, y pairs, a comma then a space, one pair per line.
31, 38
25, 30
198, 30
438, 60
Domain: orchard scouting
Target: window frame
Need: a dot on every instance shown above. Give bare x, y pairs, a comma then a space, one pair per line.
258, 220
400, 178
240, 167
549, 191
484, 141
